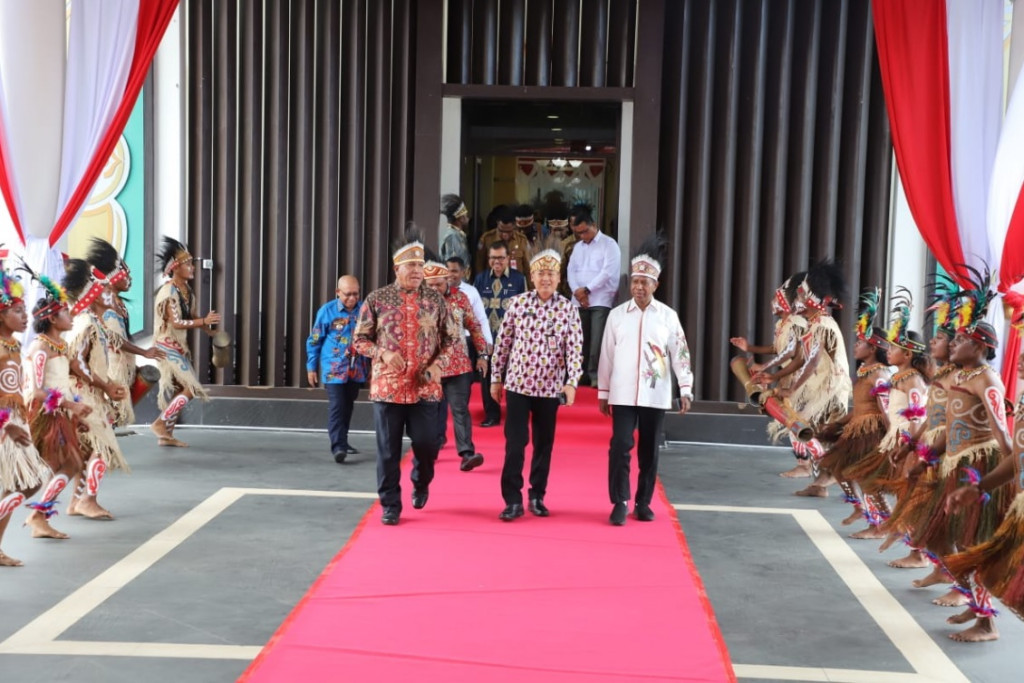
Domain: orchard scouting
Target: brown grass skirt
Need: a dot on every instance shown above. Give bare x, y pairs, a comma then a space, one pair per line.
55, 436
857, 440
999, 562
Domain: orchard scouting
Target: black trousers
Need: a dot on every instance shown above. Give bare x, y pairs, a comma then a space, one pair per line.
341, 399
647, 422
456, 393
592, 320
492, 409
392, 420
524, 414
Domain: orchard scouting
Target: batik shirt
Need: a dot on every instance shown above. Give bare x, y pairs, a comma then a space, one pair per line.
638, 348
329, 346
539, 348
455, 361
410, 323
497, 292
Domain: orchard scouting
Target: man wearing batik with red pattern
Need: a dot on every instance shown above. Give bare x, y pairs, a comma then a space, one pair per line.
538, 358
402, 329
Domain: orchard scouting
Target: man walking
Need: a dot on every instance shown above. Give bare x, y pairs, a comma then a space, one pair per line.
402, 329
642, 338
537, 358
332, 361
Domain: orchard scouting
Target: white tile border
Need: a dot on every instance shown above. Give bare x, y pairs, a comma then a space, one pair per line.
922, 653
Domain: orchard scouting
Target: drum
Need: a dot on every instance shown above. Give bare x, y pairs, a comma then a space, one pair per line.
221, 350
145, 377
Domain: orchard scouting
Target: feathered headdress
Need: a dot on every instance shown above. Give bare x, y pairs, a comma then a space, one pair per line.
82, 283
104, 257
54, 298
944, 296
824, 287
453, 207
649, 256
11, 290
899, 321
434, 268
972, 307
410, 248
782, 302
172, 254
866, 311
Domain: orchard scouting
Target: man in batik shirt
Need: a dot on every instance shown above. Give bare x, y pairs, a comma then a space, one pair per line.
402, 329
538, 358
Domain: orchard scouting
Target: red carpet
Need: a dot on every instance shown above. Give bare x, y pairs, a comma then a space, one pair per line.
454, 594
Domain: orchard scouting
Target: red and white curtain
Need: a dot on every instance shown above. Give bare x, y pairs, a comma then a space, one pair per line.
70, 73
960, 156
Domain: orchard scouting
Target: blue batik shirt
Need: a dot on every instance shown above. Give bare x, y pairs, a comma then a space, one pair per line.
329, 346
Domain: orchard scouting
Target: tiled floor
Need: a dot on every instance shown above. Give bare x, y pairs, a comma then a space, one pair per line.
215, 544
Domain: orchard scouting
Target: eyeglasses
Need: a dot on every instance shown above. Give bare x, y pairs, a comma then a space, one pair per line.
498, 258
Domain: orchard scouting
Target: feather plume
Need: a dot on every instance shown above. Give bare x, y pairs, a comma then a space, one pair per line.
974, 299
867, 310
54, 290
902, 303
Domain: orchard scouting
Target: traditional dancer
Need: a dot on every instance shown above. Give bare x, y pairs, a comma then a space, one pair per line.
90, 350
996, 566
858, 434
928, 432
55, 410
976, 439
787, 359
173, 320
907, 394
643, 340
104, 257
22, 470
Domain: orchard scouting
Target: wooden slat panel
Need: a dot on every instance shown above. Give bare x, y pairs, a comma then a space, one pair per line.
485, 38
460, 39
401, 163
538, 42
511, 40
378, 129
426, 190
300, 308
353, 148
594, 45
250, 192
565, 35
621, 32
274, 255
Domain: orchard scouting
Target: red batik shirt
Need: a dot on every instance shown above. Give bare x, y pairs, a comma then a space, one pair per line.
539, 348
412, 324
455, 360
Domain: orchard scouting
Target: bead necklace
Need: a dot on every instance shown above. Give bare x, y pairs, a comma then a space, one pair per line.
865, 370
57, 346
10, 345
968, 375
904, 374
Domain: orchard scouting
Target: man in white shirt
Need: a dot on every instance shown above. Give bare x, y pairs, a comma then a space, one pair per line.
642, 339
593, 274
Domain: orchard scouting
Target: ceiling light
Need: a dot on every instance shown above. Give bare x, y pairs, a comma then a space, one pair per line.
552, 116
588, 148
575, 163
558, 162
556, 130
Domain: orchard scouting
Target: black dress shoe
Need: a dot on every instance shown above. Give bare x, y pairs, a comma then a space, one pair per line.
538, 507
419, 498
351, 451
643, 512
618, 516
511, 511
390, 516
490, 422
339, 456
471, 461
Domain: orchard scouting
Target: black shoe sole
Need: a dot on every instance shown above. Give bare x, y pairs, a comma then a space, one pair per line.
340, 457
471, 463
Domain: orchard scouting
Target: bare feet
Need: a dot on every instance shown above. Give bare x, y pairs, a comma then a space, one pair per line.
962, 618
72, 510
801, 471
858, 513
984, 629
171, 441
812, 491
41, 526
8, 561
915, 560
936, 576
872, 532
889, 540
93, 510
953, 598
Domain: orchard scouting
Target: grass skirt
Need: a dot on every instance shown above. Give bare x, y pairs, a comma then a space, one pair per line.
934, 528
858, 439
55, 436
21, 467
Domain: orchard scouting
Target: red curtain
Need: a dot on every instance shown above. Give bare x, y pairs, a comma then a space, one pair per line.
5, 186
154, 15
912, 53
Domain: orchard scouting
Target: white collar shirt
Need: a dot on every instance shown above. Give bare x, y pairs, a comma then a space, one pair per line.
479, 313
596, 265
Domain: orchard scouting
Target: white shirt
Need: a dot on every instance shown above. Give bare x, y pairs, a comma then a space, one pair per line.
478, 310
636, 351
595, 266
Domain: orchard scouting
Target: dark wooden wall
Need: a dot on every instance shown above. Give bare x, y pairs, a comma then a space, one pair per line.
313, 135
